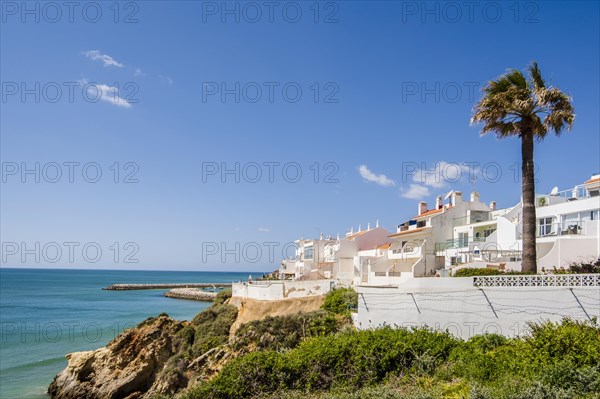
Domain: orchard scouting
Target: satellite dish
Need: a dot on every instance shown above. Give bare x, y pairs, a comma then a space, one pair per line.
554, 191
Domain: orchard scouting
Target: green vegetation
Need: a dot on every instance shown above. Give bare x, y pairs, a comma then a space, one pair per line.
285, 332
211, 328
340, 301
319, 355
574, 268
581, 267
474, 271
557, 360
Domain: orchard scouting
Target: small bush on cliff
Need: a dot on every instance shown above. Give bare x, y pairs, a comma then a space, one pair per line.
285, 332
211, 327
222, 296
340, 300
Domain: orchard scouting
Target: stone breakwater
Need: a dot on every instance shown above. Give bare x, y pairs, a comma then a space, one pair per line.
122, 287
191, 293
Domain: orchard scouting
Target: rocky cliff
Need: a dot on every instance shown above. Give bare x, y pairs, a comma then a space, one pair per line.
126, 368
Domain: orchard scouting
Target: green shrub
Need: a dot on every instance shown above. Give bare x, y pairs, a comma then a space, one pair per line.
352, 359
285, 332
472, 271
585, 267
340, 300
222, 296
212, 327
555, 361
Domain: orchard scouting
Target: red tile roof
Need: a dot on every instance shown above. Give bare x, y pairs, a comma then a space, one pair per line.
597, 179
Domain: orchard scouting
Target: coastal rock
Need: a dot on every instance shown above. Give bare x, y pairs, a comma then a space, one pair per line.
194, 294
126, 368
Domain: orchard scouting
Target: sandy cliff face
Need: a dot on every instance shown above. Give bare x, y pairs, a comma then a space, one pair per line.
126, 368
252, 309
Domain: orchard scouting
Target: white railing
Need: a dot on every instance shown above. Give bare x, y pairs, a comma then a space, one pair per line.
555, 280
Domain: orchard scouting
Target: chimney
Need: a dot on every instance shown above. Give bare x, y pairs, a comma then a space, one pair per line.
422, 207
438, 202
368, 226
456, 198
474, 196
493, 205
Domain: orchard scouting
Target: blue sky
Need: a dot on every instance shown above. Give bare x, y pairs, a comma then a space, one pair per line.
385, 86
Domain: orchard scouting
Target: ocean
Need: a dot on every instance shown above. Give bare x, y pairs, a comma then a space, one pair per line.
47, 313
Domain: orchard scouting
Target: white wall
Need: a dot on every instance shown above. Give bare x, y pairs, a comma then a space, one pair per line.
276, 290
456, 305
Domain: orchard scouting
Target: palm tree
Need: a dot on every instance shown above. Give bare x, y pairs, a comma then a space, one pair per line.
513, 105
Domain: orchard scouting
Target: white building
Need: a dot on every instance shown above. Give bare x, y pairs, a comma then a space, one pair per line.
567, 232
334, 258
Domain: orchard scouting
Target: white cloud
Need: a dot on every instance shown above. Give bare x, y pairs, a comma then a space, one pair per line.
415, 191
237, 229
382, 179
138, 72
96, 55
105, 93
264, 229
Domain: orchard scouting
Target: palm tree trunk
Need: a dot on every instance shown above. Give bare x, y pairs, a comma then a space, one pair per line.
529, 263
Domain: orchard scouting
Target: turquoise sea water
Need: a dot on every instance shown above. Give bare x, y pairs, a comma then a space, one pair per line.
45, 314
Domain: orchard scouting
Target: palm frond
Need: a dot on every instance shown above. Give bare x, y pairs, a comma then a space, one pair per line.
536, 76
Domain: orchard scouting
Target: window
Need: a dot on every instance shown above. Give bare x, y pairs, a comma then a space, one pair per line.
594, 215
308, 252
545, 227
463, 239
421, 223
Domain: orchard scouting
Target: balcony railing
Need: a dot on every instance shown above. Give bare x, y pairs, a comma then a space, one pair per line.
561, 229
458, 243
561, 196
477, 218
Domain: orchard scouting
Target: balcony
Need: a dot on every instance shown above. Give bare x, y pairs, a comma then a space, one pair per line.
561, 229
474, 218
559, 197
457, 243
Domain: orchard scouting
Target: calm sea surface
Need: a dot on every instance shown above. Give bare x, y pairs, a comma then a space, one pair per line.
45, 314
